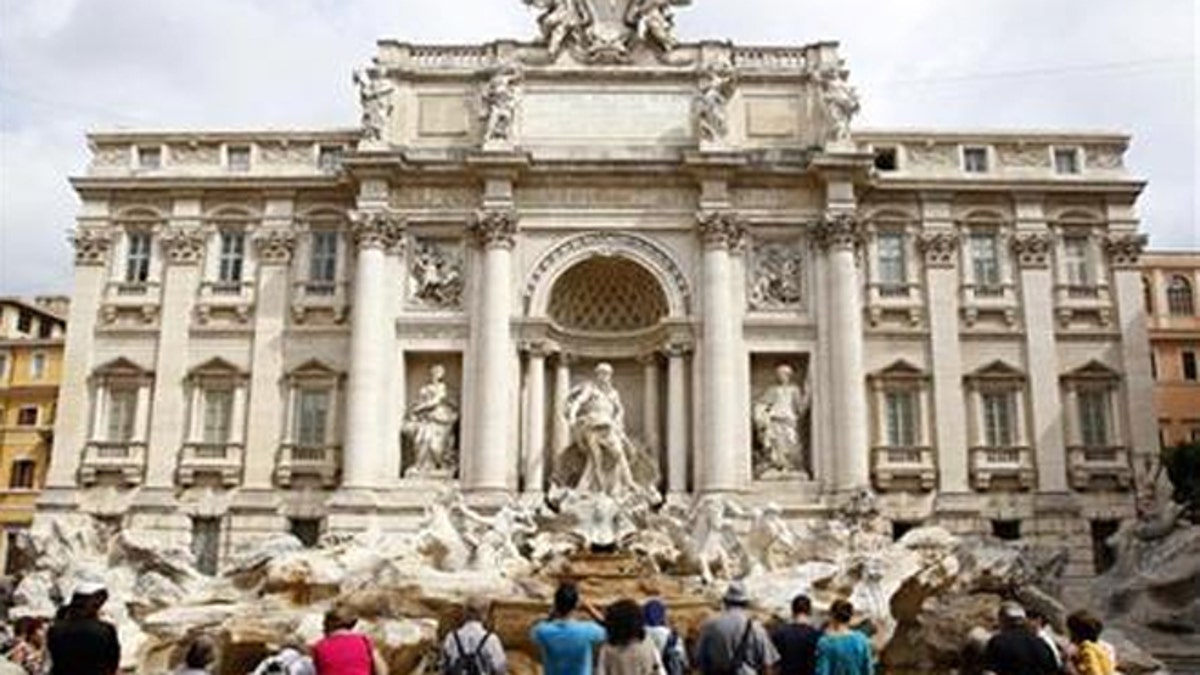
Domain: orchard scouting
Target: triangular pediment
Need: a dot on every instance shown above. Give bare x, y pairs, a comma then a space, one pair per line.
995, 371
313, 369
215, 367
122, 367
1092, 370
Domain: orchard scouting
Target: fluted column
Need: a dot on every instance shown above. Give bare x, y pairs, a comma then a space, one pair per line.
561, 431
495, 231
840, 235
677, 419
371, 339
720, 231
535, 419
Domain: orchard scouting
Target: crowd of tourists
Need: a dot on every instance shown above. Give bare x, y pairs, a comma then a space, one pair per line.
578, 638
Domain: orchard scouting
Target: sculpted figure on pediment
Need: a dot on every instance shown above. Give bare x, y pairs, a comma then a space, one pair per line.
375, 96
841, 100
561, 21
656, 21
499, 104
712, 103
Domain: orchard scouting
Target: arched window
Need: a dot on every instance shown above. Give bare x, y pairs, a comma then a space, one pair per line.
1179, 297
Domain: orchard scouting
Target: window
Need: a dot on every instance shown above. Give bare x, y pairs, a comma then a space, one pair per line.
307, 530
149, 157
1189, 365
1007, 530
892, 261
1148, 294
22, 477
1077, 260
885, 159
27, 416
137, 258
322, 263
122, 411
1103, 556
19, 558
901, 418
239, 158
45, 329
1066, 160
25, 321
1153, 365
998, 419
233, 255
1179, 297
329, 158
1093, 418
975, 160
37, 366
985, 259
312, 417
218, 415
206, 543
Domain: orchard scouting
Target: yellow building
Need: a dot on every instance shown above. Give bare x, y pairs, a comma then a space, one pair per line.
1171, 283
31, 349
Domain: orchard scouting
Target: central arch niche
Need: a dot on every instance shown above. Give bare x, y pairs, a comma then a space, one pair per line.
607, 295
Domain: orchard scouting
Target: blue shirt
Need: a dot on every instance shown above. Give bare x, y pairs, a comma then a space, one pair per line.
846, 654
566, 645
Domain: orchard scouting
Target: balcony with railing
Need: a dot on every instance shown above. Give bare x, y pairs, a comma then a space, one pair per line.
225, 299
903, 468
1074, 302
981, 300
900, 301
137, 299
1002, 468
328, 299
124, 459
321, 462
222, 460
1099, 467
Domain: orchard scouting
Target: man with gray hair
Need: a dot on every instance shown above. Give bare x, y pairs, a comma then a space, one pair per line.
473, 649
1016, 649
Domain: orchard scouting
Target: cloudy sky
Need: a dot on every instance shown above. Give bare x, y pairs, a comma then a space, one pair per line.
68, 66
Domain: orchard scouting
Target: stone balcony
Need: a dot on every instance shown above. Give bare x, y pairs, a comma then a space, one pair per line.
1075, 303
138, 301
1008, 468
124, 459
225, 302
903, 469
887, 303
322, 463
223, 460
1099, 468
320, 301
981, 302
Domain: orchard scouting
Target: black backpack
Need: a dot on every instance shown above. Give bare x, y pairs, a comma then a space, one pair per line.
471, 663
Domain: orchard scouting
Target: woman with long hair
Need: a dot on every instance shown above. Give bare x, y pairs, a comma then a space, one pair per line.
627, 651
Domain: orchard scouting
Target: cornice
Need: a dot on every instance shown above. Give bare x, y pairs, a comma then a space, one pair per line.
1005, 184
199, 183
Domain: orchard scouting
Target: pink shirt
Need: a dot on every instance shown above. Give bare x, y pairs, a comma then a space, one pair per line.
343, 653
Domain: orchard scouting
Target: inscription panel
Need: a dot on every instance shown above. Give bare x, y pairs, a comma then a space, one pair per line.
443, 115
584, 115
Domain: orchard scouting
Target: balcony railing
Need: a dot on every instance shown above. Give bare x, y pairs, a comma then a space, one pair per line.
223, 460
124, 459
329, 297
322, 462
1099, 467
904, 468
232, 298
141, 298
1002, 468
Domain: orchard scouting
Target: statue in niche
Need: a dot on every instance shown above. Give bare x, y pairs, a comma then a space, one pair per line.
716, 88
777, 273
429, 426
656, 20
374, 95
841, 100
438, 278
499, 110
601, 458
778, 413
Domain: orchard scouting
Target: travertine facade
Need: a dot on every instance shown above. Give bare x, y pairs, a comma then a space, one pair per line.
256, 314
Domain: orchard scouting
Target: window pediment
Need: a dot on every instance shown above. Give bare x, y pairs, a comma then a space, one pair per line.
216, 369
900, 371
996, 373
314, 370
122, 369
1092, 372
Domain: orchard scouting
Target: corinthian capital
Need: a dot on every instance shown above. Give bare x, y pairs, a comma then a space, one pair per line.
275, 246
183, 246
495, 227
721, 229
839, 229
939, 248
91, 246
376, 228
1124, 248
1032, 249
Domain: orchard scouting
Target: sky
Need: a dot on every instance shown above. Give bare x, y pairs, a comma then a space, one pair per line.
72, 66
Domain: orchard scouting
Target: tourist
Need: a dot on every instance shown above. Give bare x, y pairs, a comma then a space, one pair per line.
627, 650
671, 649
343, 651
796, 640
79, 642
291, 659
733, 642
842, 650
1088, 656
473, 649
566, 644
1016, 649
28, 648
200, 655
1039, 623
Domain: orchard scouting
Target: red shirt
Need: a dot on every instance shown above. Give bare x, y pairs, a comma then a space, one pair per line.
343, 653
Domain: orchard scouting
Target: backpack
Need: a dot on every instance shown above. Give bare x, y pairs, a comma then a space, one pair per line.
672, 656
470, 663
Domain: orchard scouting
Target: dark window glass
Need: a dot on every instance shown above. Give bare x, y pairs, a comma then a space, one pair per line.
885, 159
1008, 530
22, 476
1103, 557
206, 543
1189, 366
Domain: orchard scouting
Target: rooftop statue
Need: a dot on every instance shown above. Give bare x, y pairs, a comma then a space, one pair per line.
605, 30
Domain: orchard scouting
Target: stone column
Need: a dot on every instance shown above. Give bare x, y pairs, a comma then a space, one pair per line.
274, 247
183, 247
840, 234
677, 419
651, 409
495, 230
534, 469
560, 435
372, 338
719, 470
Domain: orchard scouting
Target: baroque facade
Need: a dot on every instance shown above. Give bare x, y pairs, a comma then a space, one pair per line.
314, 329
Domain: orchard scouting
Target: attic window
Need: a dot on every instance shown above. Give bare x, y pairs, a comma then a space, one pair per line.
885, 159
239, 158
